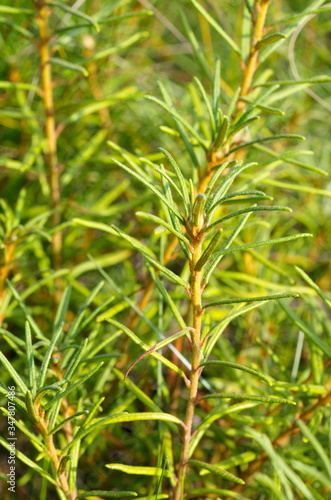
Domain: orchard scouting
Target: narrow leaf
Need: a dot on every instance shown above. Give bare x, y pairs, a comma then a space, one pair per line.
216, 470
313, 285
68, 65
138, 470
208, 251
250, 397
169, 274
76, 13
13, 373
145, 347
236, 366
161, 222
47, 356
151, 187
265, 139
72, 388
216, 26
269, 39
158, 346
107, 494
30, 360
251, 299
179, 175
246, 210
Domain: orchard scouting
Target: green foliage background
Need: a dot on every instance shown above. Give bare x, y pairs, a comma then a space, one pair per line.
100, 80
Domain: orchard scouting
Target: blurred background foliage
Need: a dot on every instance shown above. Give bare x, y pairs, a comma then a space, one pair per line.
100, 77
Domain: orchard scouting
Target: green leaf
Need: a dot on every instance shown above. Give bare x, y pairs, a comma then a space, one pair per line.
251, 299
214, 415
122, 417
106, 494
13, 373
316, 445
208, 251
76, 13
30, 360
228, 251
220, 138
30, 319
215, 260
313, 285
250, 397
216, 91
207, 104
141, 395
15, 10
247, 210
180, 119
18, 85
158, 346
144, 181
216, 470
30, 407
62, 309
47, 356
180, 127
307, 330
72, 388
198, 53
265, 139
118, 47
236, 366
157, 220
167, 297
68, 65
138, 470
269, 39
138, 246
145, 347
74, 361
179, 175
65, 421
216, 26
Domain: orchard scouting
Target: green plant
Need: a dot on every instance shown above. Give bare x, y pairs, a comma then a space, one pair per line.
232, 402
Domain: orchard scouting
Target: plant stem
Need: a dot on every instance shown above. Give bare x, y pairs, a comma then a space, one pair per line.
41, 426
50, 132
196, 294
251, 65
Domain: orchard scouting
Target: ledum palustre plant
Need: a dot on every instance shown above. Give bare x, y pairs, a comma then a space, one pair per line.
223, 414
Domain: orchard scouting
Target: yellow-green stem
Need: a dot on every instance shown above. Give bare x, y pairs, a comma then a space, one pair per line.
48, 440
196, 293
50, 130
262, 9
